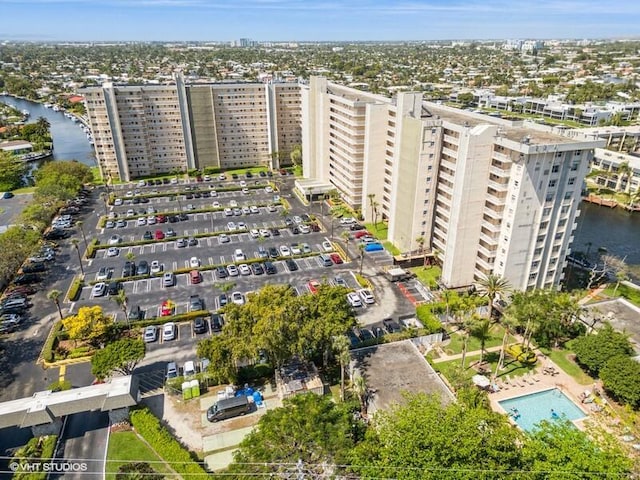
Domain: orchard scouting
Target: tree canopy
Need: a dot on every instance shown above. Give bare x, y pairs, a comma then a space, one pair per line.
309, 428
90, 323
621, 378
12, 171
595, 350
61, 180
121, 356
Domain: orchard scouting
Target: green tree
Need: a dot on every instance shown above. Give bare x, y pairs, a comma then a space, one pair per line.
481, 330
558, 451
16, 243
309, 432
122, 300
594, 351
218, 350
341, 348
462, 443
12, 171
121, 356
465, 98
296, 155
38, 214
621, 378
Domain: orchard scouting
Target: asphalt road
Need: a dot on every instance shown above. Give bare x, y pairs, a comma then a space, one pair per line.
83, 446
10, 208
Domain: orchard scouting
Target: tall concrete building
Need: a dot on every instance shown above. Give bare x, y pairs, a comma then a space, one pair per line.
490, 195
147, 130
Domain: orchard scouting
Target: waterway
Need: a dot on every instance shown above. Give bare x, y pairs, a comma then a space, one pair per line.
600, 229
69, 140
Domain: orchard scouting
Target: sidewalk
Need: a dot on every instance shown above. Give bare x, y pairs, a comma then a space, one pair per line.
457, 356
593, 294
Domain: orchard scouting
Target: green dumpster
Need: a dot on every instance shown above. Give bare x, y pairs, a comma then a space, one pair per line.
186, 390
195, 388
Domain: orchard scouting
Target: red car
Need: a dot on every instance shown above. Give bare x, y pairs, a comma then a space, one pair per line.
167, 308
159, 235
161, 218
336, 258
313, 286
360, 234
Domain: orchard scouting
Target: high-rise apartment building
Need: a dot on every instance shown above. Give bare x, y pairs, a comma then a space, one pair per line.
147, 130
490, 195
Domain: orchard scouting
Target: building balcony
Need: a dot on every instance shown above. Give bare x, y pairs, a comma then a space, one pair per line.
492, 227
492, 213
500, 187
499, 172
451, 153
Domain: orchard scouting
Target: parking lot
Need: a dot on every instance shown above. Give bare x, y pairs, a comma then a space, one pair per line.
214, 242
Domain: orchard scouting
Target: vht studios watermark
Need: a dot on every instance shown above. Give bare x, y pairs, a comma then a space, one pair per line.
53, 467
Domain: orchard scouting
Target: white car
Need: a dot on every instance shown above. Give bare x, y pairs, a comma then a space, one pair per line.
103, 274
284, 251
228, 212
254, 209
222, 176
151, 220
114, 239
223, 238
151, 210
141, 222
263, 232
268, 189
232, 270
194, 262
306, 248
246, 210
271, 208
99, 289
237, 298
238, 255
243, 183
304, 229
354, 299
174, 181
113, 252
244, 269
242, 226
117, 202
347, 221
297, 220
156, 267
326, 246
131, 212
245, 191
217, 205
169, 331
366, 295
254, 233
142, 183
233, 203
109, 224
232, 227
296, 250
213, 193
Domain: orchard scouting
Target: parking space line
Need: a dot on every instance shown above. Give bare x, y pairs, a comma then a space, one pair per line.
175, 265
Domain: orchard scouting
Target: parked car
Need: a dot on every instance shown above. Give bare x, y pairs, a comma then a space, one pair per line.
354, 299
200, 325
238, 298
150, 334
113, 288
168, 279
99, 289
136, 313
26, 279
366, 295
196, 303
142, 268
169, 331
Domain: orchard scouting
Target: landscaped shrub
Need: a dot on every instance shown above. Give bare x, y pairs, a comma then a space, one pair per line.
36, 448
180, 459
595, 350
621, 378
75, 289
252, 373
91, 248
60, 385
52, 342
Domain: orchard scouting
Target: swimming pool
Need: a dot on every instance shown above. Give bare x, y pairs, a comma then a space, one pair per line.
529, 410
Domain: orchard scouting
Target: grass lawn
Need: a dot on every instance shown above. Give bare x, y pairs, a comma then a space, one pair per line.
564, 359
380, 232
473, 344
391, 248
451, 368
630, 294
428, 275
125, 447
23, 190
97, 178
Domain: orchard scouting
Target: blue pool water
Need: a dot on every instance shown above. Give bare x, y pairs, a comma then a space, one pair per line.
547, 405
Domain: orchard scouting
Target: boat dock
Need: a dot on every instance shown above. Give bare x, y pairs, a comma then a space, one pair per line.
591, 198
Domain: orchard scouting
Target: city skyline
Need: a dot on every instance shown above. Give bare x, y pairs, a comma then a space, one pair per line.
300, 20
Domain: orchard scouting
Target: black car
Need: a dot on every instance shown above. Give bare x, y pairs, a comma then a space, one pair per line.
234, 176
270, 268
147, 235
366, 334
136, 313
200, 325
144, 200
291, 265
192, 241
378, 332
197, 195
275, 232
34, 267
165, 181
6, 195
257, 269
223, 299
390, 326
129, 269
216, 322
269, 173
183, 217
262, 174
248, 175
294, 230
273, 252
305, 217
174, 219
136, 201
356, 226
143, 268
113, 288
55, 234
26, 279
196, 303
189, 196
222, 272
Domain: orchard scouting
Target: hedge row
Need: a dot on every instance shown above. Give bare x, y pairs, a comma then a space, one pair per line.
175, 194
36, 448
75, 289
181, 317
91, 248
50, 344
158, 437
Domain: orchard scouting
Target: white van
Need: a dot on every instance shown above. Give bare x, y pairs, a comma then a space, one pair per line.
189, 369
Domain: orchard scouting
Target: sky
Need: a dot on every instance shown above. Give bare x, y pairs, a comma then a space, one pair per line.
320, 20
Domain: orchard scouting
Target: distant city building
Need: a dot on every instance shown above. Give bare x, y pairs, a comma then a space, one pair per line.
490, 195
620, 171
152, 129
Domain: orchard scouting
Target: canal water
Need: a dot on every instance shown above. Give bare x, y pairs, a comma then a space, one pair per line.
69, 140
600, 229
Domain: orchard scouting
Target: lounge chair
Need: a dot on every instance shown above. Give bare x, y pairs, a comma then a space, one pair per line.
529, 380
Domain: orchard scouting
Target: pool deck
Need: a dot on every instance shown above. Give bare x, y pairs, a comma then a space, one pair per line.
539, 382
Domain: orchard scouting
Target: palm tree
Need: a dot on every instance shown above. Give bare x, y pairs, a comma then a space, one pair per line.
346, 236
361, 248
341, 347
359, 386
122, 300
480, 329
371, 197
43, 126
130, 256
55, 295
79, 223
491, 286
74, 242
623, 172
